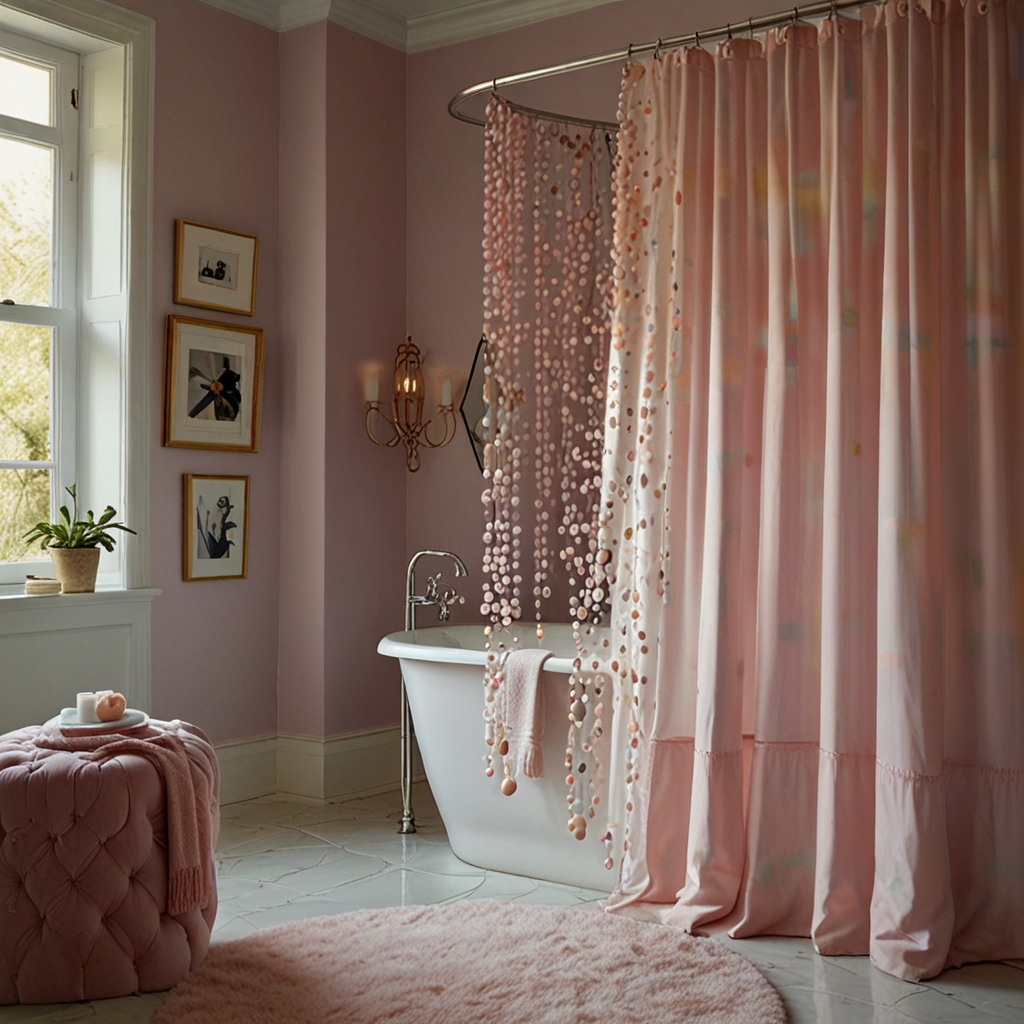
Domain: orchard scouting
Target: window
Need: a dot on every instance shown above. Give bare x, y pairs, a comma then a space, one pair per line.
75, 213
38, 270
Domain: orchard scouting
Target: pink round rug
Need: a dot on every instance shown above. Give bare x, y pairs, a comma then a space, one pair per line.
472, 961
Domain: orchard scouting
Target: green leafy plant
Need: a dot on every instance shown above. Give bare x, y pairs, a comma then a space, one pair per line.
72, 532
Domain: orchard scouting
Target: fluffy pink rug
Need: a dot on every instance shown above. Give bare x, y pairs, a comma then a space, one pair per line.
472, 961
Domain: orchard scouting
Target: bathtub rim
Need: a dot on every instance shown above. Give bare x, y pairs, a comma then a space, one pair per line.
398, 645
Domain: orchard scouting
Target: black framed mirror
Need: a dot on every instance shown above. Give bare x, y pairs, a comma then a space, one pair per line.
473, 407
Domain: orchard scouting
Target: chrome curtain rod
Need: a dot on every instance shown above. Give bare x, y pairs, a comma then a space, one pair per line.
751, 25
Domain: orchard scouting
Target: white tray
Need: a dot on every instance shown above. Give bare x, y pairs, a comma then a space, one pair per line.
69, 722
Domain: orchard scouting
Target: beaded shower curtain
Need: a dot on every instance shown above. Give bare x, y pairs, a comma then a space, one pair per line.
814, 477
547, 286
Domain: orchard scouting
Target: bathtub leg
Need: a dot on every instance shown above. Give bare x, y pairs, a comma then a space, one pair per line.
408, 817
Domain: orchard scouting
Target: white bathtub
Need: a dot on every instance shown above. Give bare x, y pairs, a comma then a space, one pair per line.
526, 833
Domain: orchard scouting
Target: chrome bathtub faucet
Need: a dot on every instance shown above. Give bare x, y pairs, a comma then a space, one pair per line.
443, 595
440, 593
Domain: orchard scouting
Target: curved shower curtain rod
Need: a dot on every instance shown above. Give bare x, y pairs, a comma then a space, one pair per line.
817, 10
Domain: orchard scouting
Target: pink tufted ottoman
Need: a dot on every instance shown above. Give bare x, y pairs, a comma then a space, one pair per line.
84, 871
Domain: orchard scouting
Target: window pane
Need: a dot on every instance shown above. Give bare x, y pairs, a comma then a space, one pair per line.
25, 90
24, 501
26, 222
24, 392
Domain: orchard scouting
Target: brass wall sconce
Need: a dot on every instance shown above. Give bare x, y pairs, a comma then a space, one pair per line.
406, 420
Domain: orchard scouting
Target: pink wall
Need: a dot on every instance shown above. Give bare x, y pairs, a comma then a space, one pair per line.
445, 213
303, 206
303, 144
365, 485
342, 304
215, 161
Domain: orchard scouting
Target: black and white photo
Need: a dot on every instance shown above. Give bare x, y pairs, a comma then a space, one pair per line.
215, 268
218, 267
213, 383
216, 527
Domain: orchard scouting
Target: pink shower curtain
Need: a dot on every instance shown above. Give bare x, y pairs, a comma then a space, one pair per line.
813, 478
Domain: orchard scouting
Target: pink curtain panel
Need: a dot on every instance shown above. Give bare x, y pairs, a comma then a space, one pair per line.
813, 477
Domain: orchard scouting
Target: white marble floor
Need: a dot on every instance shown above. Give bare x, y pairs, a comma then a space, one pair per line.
280, 861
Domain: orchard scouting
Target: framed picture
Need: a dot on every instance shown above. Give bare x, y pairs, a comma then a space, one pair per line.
216, 535
214, 268
213, 379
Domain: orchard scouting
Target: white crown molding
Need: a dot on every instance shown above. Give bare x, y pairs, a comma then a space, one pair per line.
264, 12
421, 32
484, 18
296, 13
370, 19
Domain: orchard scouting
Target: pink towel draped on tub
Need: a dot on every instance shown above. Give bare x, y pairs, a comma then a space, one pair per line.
188, 788
522, 710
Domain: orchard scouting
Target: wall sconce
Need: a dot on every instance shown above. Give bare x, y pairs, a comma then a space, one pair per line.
407, 406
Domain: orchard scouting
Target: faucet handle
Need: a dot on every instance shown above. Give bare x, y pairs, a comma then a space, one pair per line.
430, 595
446, 599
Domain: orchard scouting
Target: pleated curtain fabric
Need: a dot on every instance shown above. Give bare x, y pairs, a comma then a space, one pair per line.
813, 478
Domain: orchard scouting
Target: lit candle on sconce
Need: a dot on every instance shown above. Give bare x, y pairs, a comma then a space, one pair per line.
371, 385
446, 389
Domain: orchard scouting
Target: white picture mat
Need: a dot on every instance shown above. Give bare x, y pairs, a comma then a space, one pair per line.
190, 286
242, 351
210, 490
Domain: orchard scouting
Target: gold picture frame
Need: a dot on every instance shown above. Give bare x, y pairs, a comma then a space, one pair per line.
215, 268
216, 528
213, 383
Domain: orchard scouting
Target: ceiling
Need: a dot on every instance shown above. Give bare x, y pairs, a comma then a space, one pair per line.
407, 25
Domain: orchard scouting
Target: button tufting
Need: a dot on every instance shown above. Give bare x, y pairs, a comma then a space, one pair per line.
90, 891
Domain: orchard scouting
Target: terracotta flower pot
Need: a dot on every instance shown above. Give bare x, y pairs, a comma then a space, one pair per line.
76, 569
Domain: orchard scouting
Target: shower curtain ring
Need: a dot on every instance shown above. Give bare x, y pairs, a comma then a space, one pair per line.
728, 30
696, 40
657, 49
629, 52
750, 27
796, 15
833, 14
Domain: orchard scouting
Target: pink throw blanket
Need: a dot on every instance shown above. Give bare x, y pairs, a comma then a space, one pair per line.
522, 710
188, 788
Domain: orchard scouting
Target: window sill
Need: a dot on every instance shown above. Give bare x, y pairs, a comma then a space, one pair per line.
12, 596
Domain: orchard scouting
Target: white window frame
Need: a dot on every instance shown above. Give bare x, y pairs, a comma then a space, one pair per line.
90, 25
61, 313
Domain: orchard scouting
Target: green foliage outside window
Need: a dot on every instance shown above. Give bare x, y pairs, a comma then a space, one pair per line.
24, 371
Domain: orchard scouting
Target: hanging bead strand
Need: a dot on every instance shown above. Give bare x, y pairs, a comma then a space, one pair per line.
562, 175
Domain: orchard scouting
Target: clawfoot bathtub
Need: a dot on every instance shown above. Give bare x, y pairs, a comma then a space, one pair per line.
525, 834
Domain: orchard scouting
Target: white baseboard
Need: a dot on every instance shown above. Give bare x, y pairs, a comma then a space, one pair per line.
248, 768
312, 769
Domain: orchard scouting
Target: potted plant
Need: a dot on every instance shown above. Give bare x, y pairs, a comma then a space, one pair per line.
74, 544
